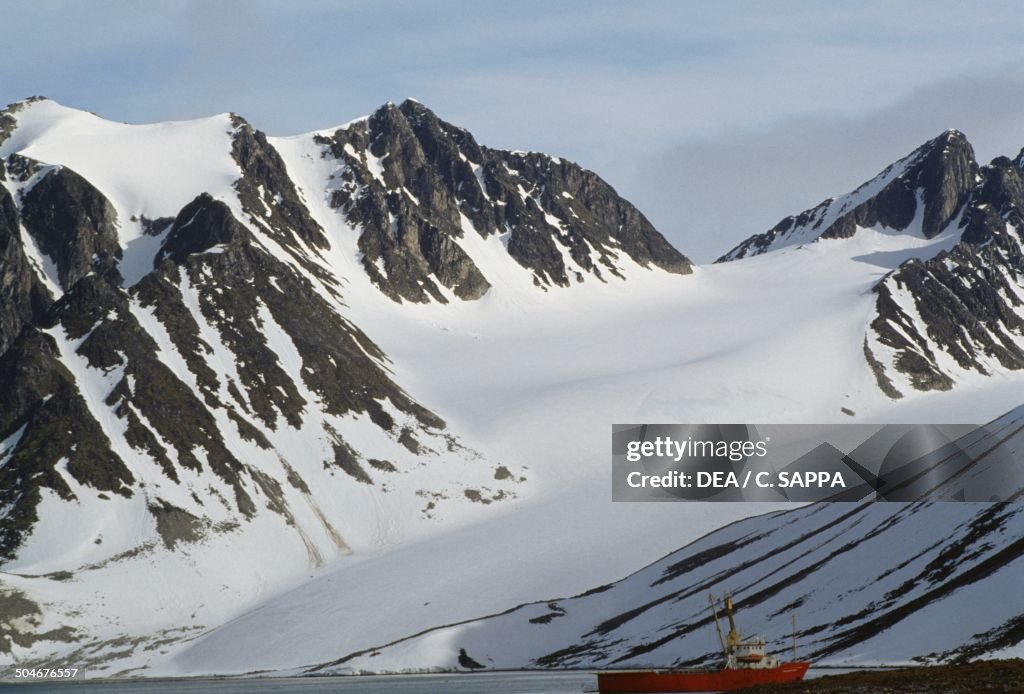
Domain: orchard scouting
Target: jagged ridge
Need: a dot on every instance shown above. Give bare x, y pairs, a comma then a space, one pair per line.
415, 185
937, 176
233, 338
960, 311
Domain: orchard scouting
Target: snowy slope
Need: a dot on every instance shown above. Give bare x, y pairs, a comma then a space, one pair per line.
871, 583
832, 565
279, 324
219, 446
765, 353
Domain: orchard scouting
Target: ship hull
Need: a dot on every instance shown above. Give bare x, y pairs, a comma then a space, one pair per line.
671, 681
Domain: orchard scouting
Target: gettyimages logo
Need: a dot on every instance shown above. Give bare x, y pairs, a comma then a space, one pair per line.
811, 462
663, 446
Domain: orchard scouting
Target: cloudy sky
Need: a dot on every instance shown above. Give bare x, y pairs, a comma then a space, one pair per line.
716, 119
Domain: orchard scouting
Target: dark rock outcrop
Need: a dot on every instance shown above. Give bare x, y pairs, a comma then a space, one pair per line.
266, 192
72, 223
967, 301
938, 176
409, 179
42, 409
23, 298
201, 225
7, 123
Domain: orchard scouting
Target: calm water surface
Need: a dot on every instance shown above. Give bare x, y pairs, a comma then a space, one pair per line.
475, 683
463, 683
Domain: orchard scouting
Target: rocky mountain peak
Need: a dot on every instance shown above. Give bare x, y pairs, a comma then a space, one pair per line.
926, 189
955, 307
944, 172
417, 186
940, 317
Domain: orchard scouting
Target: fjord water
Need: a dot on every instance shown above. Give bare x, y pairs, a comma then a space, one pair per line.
465, 683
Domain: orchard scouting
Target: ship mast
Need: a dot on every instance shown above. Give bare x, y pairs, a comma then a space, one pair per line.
718, 627
794, 636
734, 636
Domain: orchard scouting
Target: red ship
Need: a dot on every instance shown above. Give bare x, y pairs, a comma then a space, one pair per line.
745, 665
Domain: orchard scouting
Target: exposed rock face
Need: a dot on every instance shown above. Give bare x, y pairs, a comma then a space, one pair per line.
267, 193
72, 223
962, 310
51, 424
937, 177
7, 123
415, 185
23, 298
407, 239
945, 174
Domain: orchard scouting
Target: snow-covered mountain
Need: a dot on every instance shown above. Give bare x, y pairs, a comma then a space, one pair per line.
952, 307
259, 390
919, 194
182, 375
868, 583
190, 371
414, 186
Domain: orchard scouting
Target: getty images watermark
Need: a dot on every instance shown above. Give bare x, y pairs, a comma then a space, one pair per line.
812, 462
